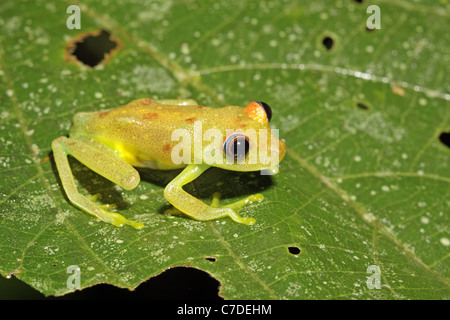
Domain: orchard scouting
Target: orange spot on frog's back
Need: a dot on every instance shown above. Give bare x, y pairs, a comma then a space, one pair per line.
103, 114
145, 101
150, 116
191, 120
166, 147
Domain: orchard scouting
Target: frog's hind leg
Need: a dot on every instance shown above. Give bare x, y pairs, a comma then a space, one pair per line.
100, 159
238, 205
178, 102
195, 208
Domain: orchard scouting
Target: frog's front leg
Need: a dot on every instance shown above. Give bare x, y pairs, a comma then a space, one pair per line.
197, 209
100, 159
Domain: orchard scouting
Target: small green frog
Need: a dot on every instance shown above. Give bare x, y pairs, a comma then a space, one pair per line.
112, 142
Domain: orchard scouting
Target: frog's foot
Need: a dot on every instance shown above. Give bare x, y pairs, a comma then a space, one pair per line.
102, 212
119, 220
231, 210
197, 209
237, 206
173, 211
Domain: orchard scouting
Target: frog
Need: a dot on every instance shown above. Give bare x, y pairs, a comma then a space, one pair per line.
116, 142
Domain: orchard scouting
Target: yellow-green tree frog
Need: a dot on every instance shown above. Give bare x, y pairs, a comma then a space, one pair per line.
140, 134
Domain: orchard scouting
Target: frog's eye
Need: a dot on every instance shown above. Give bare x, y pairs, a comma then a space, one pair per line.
236, 146
266, 108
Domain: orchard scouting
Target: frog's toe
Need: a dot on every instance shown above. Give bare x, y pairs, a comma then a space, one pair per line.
238, 205
95, 197
235, 207
106, 206
173, 211
119, 220
216, 199
248, 221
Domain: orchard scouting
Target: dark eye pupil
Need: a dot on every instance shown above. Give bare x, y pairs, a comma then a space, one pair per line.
237, 146
267, 109
240, 148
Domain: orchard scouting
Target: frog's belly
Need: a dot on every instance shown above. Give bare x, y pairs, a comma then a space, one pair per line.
154, 164
138, 158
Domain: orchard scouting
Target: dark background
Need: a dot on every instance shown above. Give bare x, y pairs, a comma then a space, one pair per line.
176, 283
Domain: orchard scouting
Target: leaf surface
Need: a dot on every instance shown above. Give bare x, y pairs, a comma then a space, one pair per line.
365, 181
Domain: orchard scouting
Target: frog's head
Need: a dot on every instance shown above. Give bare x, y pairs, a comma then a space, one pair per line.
254, 146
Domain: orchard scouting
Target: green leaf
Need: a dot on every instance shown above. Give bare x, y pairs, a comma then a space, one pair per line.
365, 181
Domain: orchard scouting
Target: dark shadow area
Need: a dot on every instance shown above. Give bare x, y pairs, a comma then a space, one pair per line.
182, 283
231, 184
92, 182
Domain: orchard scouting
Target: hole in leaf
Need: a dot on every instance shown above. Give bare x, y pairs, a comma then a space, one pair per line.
445, 138
362, 106
294, 250
212, 259
328, 43
358, 1
92, 48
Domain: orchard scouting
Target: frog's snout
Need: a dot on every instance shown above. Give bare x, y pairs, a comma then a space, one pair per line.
277, 150
80, 119
281, 149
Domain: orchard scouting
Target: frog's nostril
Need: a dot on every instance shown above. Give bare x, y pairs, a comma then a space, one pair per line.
92, 48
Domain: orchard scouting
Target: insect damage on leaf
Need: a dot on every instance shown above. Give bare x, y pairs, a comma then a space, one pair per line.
92, 48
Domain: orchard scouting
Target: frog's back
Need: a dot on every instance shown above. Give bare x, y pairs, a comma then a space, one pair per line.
140, 132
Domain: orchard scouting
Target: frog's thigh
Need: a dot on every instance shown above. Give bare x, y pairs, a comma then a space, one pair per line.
99, 158
178, 102
192, 206
94, 159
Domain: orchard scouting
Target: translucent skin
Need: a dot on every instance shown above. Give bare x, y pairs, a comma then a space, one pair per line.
139, 134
